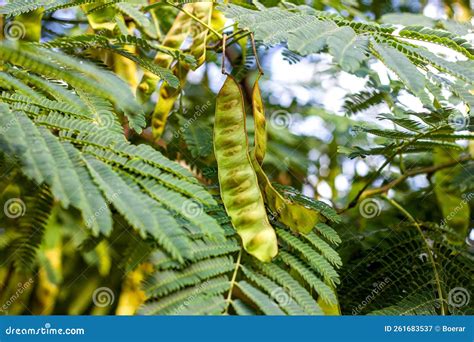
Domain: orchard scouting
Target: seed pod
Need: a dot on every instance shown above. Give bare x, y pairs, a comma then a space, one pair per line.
260, 123
238, 182
293, 215
173, 40
218, 19
168, 95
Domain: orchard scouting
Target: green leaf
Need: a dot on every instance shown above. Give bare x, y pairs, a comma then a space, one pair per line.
79, 74
141, 212
304, 33
404, 69
440, 37
139, 17
162, 283
260, 299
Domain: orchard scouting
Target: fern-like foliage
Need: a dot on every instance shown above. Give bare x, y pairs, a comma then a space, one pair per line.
363, 100
397, 277
223, 279
30, 231
81, 75
73, 143
304, 33
415, 133
14, 8
70, 141
408, 19
73, 131
116, 45
307, 31
138, 17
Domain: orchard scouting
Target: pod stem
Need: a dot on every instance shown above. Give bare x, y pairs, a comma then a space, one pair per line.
254, 48
224, 38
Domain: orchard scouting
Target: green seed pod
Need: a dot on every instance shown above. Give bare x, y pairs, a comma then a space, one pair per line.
260, 123
167, 94
238, 182
173, 40
295, 216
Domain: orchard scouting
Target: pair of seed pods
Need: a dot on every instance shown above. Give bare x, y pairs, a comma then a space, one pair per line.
183, 27
167, 94
244, 186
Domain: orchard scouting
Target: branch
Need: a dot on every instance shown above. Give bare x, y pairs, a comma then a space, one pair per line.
217, 47
411, 173
398, 149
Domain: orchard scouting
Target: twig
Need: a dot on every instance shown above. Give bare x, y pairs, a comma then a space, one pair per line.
427, 246
224, 37
217, 46
235, 33
190, 15
411, 173
66, 21
232, 282
252, 41
397, 150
